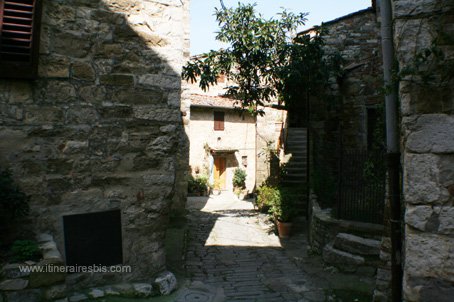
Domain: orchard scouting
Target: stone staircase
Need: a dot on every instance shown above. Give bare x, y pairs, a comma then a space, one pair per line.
353, 254
296, 167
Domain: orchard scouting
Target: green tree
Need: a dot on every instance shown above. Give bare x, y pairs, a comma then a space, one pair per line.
307, 71
257, 55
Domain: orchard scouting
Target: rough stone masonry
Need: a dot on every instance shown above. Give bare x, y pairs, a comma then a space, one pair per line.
101, 127
427, 107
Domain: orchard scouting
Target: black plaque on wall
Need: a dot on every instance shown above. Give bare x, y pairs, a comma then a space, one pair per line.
93, 238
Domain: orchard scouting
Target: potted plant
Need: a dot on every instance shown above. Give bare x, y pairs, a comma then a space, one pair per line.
283, 210
198, 186
266, 196
239, 183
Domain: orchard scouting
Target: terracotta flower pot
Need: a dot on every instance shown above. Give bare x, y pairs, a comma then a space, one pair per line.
284, 229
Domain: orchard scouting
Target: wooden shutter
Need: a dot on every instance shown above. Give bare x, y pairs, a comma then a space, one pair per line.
19, 38
218, 121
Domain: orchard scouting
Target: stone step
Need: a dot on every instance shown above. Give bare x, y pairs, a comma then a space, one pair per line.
292, 129
298, 158
335, 257
296, 141
357, 245
294, 182
293, 162
291, 175
297, 152
296, 145
290, 148
295, 169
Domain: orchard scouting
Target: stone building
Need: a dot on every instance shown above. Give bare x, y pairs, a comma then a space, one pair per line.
95, 138
423, 39
352, 109
223, 139
356, 38
346, 121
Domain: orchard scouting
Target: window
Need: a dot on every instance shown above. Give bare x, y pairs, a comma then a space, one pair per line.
89, 236
19, 38
218, 121
372, 124
244, 161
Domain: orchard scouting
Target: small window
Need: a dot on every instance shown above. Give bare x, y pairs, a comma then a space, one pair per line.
218, 121
244, 161
372, 123
19, 38
89, 236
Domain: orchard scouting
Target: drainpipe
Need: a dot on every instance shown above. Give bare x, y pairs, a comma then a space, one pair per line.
393, 153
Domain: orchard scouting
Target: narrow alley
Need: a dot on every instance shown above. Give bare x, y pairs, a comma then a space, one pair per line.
233, 247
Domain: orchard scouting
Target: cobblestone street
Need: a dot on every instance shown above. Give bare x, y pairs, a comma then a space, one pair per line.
233, 247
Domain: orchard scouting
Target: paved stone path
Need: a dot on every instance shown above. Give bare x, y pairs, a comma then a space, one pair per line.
231, 246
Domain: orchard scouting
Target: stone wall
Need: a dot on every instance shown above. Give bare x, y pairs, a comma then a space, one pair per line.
356, 39
101, 127
270, 135
348, 116
269, 129
22, 283
323, 227
426, 28
239, 136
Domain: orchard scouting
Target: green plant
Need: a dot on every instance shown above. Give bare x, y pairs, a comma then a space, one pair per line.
258, 48
198, 184
266, 196
283, 208
308, 71
239, 178
23, 250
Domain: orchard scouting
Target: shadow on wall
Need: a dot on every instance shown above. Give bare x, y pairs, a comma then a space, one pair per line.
101, 127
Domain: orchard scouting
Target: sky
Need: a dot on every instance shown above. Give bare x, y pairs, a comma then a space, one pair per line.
204, 26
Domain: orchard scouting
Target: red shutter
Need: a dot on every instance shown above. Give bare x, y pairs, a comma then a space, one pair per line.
218, 121
19, 38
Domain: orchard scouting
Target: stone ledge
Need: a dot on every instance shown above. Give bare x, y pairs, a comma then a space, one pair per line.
32, 285
324, 227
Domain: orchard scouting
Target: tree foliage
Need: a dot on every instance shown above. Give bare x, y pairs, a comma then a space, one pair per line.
308, 71
255, 58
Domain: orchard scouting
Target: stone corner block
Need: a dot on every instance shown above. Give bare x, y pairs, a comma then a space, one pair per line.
166, 283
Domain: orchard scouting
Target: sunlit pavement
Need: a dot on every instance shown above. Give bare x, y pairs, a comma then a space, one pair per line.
233, 247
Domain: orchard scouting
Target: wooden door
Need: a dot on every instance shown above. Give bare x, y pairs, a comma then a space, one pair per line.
219, 173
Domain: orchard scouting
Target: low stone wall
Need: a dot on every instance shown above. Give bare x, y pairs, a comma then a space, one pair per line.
44, 282
20, 284
323, 227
